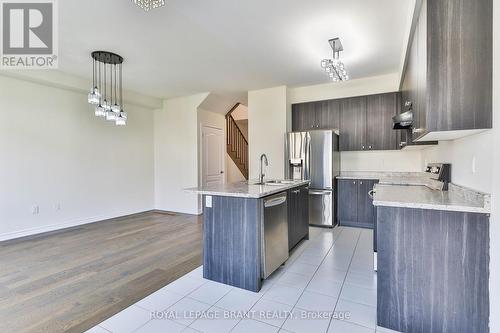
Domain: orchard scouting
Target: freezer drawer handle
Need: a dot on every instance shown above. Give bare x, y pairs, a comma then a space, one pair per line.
320, 193
274, 202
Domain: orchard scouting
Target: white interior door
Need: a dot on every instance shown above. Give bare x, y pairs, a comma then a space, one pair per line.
213, 155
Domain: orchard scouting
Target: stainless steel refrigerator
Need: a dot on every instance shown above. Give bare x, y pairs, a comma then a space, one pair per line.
315, 156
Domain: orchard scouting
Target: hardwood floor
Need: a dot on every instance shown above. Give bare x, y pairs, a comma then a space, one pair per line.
70, 280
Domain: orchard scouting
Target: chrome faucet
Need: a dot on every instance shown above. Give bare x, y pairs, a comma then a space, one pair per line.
263, 158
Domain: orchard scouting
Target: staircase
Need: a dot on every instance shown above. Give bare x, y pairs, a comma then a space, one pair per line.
237, 145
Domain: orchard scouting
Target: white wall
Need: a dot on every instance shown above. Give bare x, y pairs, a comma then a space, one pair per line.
391, 161
358, 87
494, 147
56, 153
461, 154
267, 121
233, 174
176, 154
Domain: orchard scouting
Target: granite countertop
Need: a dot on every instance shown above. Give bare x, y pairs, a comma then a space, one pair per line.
457, 199
245, 190
394, 178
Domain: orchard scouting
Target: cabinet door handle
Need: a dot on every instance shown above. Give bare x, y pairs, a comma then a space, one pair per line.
360, 183
363, 147
296, 192
354, 183
369, 147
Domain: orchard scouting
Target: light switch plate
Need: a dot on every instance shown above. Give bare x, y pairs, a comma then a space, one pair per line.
208, 201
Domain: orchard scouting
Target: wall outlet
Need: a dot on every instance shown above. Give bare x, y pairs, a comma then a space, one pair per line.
208, 201
473, 164
35, 210
57, 207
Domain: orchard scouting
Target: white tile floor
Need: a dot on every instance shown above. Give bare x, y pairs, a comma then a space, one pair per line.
326, 277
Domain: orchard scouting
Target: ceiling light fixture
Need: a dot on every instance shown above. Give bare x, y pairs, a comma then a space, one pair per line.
147, 5
107, 92
334, 67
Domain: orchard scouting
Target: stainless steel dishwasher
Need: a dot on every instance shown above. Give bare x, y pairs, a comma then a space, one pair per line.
274, 233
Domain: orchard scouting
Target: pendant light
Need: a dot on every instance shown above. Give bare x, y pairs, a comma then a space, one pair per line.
107, 90
334, 67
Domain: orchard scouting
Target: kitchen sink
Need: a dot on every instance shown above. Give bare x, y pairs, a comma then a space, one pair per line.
271, 182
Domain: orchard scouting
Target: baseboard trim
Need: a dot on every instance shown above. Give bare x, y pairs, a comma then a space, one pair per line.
37, 231
168, 212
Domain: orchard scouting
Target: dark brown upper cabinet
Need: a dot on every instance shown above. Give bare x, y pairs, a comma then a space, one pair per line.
366, 122
353, 124
448, 77
316, 115
380, 110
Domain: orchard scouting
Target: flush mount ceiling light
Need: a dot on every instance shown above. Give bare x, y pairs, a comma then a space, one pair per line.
147, 5
334, 67
107, 93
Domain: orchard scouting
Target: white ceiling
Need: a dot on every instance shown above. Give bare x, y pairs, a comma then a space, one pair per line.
231, 46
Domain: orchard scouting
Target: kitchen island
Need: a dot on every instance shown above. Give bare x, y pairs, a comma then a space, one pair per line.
249, 229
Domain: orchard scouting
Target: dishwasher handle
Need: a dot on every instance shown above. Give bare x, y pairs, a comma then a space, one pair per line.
274, 201
312, 192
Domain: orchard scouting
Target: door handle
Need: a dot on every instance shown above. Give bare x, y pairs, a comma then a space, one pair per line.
274, 202
320, 192
371, 193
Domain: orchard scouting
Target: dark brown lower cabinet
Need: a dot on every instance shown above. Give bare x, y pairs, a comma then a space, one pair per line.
433, 271
355, 207
298, 215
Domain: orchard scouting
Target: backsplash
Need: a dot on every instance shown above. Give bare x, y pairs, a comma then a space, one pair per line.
394, 161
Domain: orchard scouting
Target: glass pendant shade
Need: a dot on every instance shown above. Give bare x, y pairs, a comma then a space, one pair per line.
110, 115
99, 111
115, 108
121, 120
106, 105
94, 96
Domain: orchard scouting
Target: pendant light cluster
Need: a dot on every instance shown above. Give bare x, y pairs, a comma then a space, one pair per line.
147, 5
334, 67
107, 93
